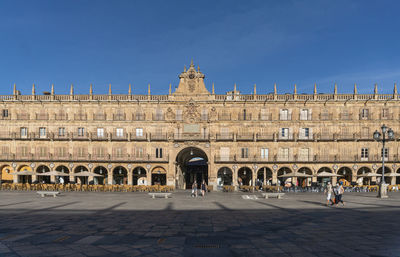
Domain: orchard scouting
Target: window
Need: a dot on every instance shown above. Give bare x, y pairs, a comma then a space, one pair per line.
99, 152
61, 152
304, 133
178, 114
81, 152
5, 113
118, 152
24, 151
24, 132
244, 114
61, 132
224, 153
283, 154
42, 151
385, 113
304, 114
139, 132
386, 152
364, 113
204, 114
304, 154
264, 114
159, 114
159, 152
81, 132
284, 115
119, 132
100, 132
139, 152
284, 132
42, 132
264, 153
364, 153
245, 152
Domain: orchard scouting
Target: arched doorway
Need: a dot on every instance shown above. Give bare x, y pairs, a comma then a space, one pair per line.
324, 175
139, 176
24, 178
159, 176
62, 169
364, 176
81, 179
224, 177
284, 177
245, 176
398, 177
346, 174
306, 180
387, 178
43, 179
264, 175
120, 176
191, 166
5, 176
104, 175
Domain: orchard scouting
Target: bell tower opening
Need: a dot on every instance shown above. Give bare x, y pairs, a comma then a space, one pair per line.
191, 166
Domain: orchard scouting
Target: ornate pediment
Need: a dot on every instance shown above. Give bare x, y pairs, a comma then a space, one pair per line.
191, 113
191, 82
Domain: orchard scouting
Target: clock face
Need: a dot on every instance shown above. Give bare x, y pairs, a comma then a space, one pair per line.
191, 76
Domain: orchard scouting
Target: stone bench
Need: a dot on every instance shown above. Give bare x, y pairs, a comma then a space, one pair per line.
44, 193
277, 195
160, 195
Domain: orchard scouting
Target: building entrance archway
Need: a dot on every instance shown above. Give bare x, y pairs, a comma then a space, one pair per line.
191, 166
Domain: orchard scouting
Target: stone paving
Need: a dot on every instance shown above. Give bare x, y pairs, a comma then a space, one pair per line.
221, 224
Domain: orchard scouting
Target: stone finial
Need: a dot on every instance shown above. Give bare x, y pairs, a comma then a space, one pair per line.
274, 88
315, 88
198, 68
295, 89
234, 89
184, 68
148, 89
395, 89
15, 89
91, 89
355, 88
376, 89
71, 91
52, 89
255, 89
213, 90
33, 89
109, 89
191, 63
335, 89
170, 89
130, 90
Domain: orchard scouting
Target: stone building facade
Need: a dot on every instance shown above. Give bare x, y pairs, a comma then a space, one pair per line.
193, 134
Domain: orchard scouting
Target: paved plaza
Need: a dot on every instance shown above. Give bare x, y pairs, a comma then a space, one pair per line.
221, 224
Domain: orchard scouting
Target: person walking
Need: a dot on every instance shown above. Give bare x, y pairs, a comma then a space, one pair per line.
340, 193
194, 189
328, 192
203, 188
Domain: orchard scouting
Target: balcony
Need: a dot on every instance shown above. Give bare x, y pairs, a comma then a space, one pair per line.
64, 136
265, 116
42, 116
80, 116
265, 137
23, 116
287, 137
119, 117
99, 137
244, 116
285, 116
305, 138
224, 137
138, 116
80, 136
224, 117
100, 116
224, 158
158, 137
136, 137
191, 137
38, 136
325, 116
386, 116
158, 117
119, 137
345, 116
8, 117
245, 137
326, 137
63, 116
345, 137
363, 116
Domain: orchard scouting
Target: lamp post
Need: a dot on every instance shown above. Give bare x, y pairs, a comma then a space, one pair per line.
377, 136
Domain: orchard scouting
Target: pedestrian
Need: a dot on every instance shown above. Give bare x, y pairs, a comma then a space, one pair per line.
203, 188
328, 192
61, 180
194, 189
340, 193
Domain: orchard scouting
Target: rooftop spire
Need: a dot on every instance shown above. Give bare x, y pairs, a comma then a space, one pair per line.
335, 89
91, 89
376, 89
148, 89
198, 68
355, 88
109, 89
52, 89
33, 89
315, 88
191, 63
255, 89
274, 88
130, 90
184, 68
71, 91
395, 89
15, 89
213, 91
295, 89
234, 89
170, 89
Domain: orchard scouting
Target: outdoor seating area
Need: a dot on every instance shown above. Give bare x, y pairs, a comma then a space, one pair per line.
85, 188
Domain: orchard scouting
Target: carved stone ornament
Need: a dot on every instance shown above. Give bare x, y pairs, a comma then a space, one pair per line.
170, 114
213, 114
191, 113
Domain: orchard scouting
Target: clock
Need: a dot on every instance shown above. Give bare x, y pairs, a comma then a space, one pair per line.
191, 76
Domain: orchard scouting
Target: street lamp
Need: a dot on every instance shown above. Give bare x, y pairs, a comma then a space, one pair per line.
377, 136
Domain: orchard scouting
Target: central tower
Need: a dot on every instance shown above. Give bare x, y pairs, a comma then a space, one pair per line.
191, 82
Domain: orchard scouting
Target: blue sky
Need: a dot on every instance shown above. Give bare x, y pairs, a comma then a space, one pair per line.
243, 42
